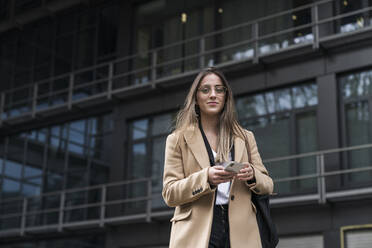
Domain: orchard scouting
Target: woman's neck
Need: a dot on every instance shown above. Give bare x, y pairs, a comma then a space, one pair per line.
210, 124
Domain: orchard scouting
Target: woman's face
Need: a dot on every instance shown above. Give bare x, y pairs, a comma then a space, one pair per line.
211, 95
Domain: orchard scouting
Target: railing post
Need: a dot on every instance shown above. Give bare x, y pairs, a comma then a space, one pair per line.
61, 211
315, 27
2, 104
110, 77
70, 90
24, 216
149, 200
103, 206
255, 35
154, 59
34, 100
321, 179
201, 53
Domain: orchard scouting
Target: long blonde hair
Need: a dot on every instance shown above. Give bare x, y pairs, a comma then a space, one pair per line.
228, 124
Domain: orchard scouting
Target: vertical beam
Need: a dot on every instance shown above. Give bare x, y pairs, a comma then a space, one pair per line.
255, 34
34, 100
61, 211
2, 104
202, 53
70, 90
154, 59
24, 216
315, 27
110, 78
322, 189
149, 200
103, 206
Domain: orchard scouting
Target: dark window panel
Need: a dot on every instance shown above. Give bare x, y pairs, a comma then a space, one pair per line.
85, 48
4, 9
108, 30
26, 5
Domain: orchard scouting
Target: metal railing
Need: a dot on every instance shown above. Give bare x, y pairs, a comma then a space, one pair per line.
149, 68
136, 201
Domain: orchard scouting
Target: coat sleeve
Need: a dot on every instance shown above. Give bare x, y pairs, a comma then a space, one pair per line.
263, 183
177, 188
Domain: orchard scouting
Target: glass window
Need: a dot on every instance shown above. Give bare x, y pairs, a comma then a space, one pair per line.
162, 124
10, 188
13, 169
356, 94
284, 123
107, 32
30, 189
140, 162
32, 171
139, 129
85, 49
4, 8
306, 142
146, 156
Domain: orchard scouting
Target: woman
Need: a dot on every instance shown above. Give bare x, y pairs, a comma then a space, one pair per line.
213, 206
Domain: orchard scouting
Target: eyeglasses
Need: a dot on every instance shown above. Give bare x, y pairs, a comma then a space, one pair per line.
219, 89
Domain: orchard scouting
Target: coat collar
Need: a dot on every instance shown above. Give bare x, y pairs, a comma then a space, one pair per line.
194, 140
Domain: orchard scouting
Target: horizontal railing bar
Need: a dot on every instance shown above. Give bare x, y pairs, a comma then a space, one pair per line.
67, 191
296, 178
347, 171
325, 174
300, 198
268, 17
350, 192
322, 152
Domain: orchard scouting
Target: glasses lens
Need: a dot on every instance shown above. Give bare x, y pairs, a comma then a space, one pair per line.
220, 89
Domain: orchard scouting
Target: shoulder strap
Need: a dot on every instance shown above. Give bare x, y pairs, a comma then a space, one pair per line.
209, 149
247, 147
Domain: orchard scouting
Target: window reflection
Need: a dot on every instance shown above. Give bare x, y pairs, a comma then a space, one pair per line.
358, 133
139, 129
147, 153
277, 101
139, 159
356, 85
161, 124
39, 161
273, 116
10, 188
13, 169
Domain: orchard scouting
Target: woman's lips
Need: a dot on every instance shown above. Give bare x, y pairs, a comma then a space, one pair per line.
212, 103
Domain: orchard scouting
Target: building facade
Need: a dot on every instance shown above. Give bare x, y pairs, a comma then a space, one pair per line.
90, 89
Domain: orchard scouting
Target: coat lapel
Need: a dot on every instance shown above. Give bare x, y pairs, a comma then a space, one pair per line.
195, 141
239, 144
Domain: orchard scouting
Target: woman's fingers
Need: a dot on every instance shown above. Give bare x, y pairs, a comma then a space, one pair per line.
246, 173
217, 175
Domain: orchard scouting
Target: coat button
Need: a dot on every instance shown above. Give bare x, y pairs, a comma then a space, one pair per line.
232, 197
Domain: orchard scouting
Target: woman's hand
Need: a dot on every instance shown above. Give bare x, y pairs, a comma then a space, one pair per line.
247, 173
217, 175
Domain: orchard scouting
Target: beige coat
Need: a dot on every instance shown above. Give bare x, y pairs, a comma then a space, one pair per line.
186, 187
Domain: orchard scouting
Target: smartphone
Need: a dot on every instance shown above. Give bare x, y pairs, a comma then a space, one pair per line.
233, 166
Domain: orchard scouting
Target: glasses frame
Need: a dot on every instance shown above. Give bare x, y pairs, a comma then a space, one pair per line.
215, 89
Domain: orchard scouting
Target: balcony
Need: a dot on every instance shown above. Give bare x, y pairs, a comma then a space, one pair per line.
136, 201
133, 75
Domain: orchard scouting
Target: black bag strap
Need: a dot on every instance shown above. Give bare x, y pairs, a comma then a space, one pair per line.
209, 149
